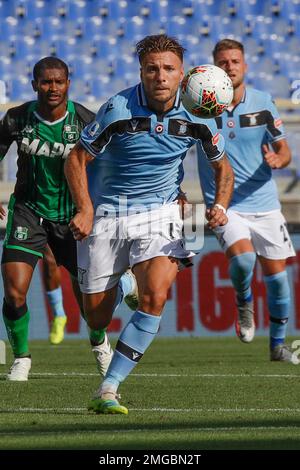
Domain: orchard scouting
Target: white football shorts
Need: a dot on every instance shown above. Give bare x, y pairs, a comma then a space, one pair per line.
116, 243
267, 232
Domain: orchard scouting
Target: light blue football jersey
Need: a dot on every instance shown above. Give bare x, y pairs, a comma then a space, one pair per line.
253, 122
139, 154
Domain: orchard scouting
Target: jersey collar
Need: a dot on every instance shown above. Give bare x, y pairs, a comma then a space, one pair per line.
50, 123
231, 110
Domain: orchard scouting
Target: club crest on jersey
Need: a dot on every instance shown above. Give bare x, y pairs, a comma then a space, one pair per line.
71, 133
252, 119
21, 233
159, 128
182, 128
277, 123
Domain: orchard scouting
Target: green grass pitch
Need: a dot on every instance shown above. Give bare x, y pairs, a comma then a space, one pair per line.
186, 394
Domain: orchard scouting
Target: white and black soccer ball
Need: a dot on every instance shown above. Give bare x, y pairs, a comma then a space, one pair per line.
206, 91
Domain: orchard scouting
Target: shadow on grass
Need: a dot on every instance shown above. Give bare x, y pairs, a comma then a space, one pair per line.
117, 433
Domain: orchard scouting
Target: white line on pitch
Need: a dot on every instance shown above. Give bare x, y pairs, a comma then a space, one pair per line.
147, 410
94, 374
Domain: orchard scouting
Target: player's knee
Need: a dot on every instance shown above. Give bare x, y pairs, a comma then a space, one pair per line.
13, 312
241, 266
153, 302
97, 320
14, 297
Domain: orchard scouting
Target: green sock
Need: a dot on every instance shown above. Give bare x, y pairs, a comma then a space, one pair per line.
17, 332
96, 336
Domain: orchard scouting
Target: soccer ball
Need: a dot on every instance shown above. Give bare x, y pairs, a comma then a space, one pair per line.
206, 91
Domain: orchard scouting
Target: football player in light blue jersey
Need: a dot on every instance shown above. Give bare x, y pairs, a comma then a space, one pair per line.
255, 145
133, 153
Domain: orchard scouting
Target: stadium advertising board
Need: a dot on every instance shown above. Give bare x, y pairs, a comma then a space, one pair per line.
200, 303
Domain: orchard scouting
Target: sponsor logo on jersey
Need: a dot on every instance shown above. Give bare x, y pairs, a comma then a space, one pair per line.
109, 107
21, 233
135, 355
134, 123
215, 138
277, 122
45, 148
71, 133
159, 128
27, 129
231, 124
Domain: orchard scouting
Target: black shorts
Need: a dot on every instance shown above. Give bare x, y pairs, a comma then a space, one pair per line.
27, 235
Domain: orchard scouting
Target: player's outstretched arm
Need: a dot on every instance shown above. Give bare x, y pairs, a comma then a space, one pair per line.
224, 180
75, 171
279, 156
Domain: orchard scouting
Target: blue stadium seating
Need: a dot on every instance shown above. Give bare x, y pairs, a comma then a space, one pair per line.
203, 8
180, 27
250, 8
78, 9
106, 48
158, 9
107, 30
134, 29
126, 66
9, 29
99, 87
6, 69
19, 89
7, 8
87, 68
280, 87
97, 39
49, 28
94, 27
78, 90
38, 8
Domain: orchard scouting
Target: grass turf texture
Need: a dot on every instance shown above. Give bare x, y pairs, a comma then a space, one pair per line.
186, 394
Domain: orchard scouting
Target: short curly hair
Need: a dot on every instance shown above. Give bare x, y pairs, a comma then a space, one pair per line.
159, 43
49, 63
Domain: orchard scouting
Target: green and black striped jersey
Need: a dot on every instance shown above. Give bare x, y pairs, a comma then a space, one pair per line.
42, 149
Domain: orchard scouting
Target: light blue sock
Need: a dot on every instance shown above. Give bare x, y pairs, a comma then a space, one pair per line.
126, 283
133, 342
241, 273
55, 298
278, 295
125, 286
